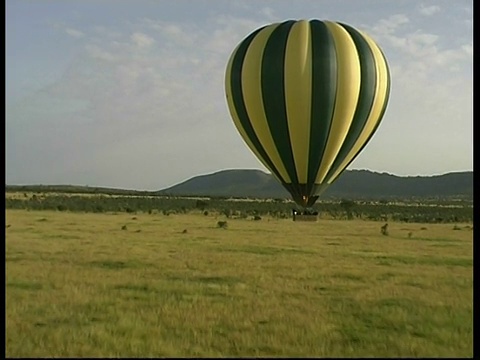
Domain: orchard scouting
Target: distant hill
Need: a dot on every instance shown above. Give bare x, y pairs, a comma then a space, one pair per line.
76, 189
352, 184
355, 184
231, 183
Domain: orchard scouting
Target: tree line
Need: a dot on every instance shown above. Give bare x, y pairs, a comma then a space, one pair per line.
278, 208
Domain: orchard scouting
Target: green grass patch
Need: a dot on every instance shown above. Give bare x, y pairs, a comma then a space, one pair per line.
383, 325
266, 250
24, 285
349, 277
435, 240
217, 280
116, 265
385, 276
435, 261
65, 237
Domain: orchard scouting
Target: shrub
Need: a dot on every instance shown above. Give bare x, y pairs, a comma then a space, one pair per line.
384, 230
222, 224
200, 204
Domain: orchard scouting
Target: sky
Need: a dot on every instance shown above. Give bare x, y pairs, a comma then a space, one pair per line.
130, 94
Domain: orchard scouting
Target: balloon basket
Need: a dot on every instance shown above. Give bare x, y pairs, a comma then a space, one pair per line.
304, 216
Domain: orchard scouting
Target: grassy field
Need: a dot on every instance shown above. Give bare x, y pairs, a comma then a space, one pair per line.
77, 285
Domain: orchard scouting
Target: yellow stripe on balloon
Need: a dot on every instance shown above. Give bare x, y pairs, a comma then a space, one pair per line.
298, 94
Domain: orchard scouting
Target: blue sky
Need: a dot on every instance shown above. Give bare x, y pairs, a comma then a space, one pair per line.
130, 94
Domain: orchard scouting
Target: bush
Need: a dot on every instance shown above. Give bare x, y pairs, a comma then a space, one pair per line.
384, 230
200, 204
222, 224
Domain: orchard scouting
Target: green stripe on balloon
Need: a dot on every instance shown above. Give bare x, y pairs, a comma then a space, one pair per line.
273, 82
324, 91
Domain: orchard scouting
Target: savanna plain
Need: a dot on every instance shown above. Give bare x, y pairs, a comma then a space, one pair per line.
150, 285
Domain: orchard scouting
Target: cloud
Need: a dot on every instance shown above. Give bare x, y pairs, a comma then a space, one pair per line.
468, 49
74, 33
142, 91
97, 52
417, 49
269, 13
390, 24
428, 10
175, 34
142, 40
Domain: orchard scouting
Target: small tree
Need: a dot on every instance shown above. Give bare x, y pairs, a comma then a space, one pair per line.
347, 205
222, 224
384, 230
201, 205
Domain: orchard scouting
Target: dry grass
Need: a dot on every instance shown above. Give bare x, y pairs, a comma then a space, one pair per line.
77, 285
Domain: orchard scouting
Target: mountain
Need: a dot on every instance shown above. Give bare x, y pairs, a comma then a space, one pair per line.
355, 184
230, 183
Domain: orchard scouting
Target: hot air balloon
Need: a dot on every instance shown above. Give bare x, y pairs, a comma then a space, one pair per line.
307, 96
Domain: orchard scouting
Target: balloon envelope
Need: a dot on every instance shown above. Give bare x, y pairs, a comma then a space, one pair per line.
306, 97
